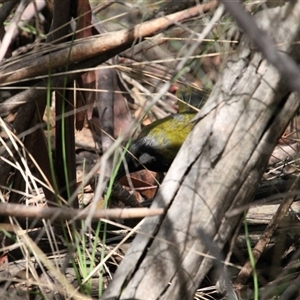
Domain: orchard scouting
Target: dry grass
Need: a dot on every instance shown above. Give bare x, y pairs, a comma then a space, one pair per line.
74, 259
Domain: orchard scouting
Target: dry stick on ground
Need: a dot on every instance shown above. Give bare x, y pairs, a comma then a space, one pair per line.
216, 169
57, 213
87, 48
259, 248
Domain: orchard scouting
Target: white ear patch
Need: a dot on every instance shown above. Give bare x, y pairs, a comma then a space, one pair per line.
146, 158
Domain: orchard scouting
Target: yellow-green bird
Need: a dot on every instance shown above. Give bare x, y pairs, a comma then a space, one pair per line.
158, 143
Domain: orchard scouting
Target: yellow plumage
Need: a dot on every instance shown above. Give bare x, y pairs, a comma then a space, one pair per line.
158, 143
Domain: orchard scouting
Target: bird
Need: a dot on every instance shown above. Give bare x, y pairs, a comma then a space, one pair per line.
158, 143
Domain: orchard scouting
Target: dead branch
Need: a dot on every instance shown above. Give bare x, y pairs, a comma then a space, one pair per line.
59, 213
80, 50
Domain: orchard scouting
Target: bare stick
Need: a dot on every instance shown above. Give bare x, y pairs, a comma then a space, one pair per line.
23, 211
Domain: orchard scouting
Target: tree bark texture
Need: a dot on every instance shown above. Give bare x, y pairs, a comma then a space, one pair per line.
217, 169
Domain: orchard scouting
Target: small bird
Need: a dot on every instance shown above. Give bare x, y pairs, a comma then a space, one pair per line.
158, 143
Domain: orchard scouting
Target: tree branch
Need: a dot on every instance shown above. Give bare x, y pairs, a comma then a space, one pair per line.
58, 213
90, 47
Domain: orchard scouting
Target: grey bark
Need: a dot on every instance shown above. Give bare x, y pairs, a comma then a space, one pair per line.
217, 169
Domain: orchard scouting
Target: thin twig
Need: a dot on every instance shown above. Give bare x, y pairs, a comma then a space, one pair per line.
64, 213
